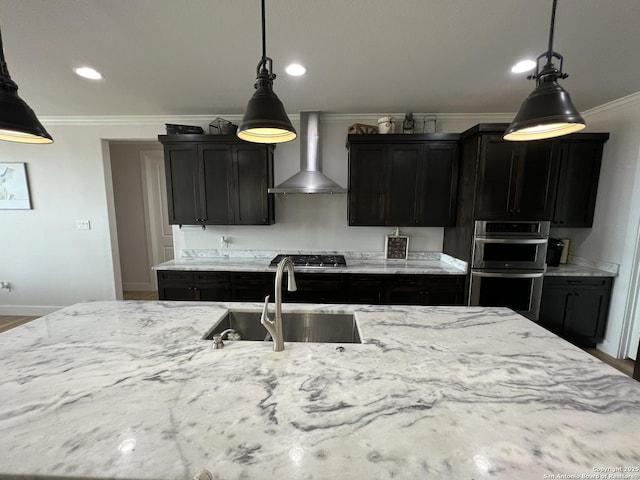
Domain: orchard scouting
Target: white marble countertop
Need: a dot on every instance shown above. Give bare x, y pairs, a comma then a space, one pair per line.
129, 390
571, 270
432, 263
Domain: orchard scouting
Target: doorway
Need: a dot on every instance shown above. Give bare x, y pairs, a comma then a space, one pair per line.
144, 237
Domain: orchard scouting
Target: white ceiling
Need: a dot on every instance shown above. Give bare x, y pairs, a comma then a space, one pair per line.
198, 57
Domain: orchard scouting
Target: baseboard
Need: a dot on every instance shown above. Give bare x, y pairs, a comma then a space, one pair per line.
28, 310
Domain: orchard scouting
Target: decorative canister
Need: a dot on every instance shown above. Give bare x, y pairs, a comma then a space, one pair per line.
386, 124
429, 124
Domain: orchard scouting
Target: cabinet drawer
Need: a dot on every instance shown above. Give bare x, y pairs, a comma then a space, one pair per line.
175, 276
211, 277
319, 280
247, 278
578, 281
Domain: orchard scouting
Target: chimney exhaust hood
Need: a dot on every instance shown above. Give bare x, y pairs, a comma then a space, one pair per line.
309, 179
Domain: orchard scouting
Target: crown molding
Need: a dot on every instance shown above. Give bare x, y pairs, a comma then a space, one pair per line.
156, 120
613, 105
325, 118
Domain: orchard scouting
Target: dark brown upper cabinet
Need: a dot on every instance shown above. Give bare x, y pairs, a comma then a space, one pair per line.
402, 180
554, 179
516, 180
218, 180
580, 158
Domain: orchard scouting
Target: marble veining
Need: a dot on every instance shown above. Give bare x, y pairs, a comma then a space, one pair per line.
435, 263
609, 267
130, 390
579, 267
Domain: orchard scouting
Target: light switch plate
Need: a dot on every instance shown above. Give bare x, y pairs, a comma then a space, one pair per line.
83, 224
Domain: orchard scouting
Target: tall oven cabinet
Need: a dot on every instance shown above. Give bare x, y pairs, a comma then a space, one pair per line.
218, 180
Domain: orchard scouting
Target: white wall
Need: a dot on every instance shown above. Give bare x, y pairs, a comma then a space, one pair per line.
613, 237
48, 261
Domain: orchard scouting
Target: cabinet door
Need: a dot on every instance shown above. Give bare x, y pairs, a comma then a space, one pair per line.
496, 171
403, 164
553, 307
577, 185
182, 174
587, 315
576, 308
534, 182
216, 183
316, 288
403, 290
437, 182
212, 286
444, 290
251, 177
368, 185
252, 287
366, 289
176, 285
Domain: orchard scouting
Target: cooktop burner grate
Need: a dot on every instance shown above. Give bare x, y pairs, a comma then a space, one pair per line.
319, 260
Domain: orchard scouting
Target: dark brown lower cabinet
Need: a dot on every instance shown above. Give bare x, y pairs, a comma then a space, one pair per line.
576, 308
370, 289
251, 287
182, 285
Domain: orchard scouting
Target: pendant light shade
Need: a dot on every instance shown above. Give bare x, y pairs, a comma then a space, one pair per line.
265, 120
18, 123
548, 111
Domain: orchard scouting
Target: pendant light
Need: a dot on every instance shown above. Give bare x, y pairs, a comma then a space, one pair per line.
548, 111
18, 123
265, 120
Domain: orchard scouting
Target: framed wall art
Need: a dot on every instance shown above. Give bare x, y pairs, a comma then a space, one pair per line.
14, 187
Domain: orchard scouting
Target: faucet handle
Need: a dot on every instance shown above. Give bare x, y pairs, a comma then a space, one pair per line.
264, 319
269, 324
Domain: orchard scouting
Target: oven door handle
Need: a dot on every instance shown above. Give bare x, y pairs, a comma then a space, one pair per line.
507, 274
522, 241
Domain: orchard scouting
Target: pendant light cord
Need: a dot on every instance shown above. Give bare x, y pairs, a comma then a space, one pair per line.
265, 67
264, 35
551, 29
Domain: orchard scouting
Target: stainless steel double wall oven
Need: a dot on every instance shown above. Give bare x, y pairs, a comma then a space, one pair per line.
508, 265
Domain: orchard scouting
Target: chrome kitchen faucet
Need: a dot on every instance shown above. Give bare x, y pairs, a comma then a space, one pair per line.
274, 327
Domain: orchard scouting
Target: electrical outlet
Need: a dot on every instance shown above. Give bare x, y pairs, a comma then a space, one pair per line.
83, 224
6, 286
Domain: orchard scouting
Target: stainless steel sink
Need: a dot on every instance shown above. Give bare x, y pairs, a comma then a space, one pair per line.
297, 327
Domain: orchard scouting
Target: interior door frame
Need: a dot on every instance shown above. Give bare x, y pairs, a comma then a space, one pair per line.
155, 207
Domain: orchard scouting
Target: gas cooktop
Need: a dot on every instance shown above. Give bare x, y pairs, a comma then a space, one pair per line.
318, 260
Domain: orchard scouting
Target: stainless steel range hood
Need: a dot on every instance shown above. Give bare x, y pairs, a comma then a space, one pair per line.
309, 179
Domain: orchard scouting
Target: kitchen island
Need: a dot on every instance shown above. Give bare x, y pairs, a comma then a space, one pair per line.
130, 390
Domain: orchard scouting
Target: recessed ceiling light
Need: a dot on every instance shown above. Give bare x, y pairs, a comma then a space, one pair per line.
295, 69
88, 72
523, 66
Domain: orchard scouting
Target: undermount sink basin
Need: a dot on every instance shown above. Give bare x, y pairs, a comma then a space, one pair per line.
297, 327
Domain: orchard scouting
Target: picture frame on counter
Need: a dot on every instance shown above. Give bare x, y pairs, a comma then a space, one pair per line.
14, 187
396, 247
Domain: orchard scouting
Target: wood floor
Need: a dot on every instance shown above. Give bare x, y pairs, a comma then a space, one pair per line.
140, 295
624, 365
10, 321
